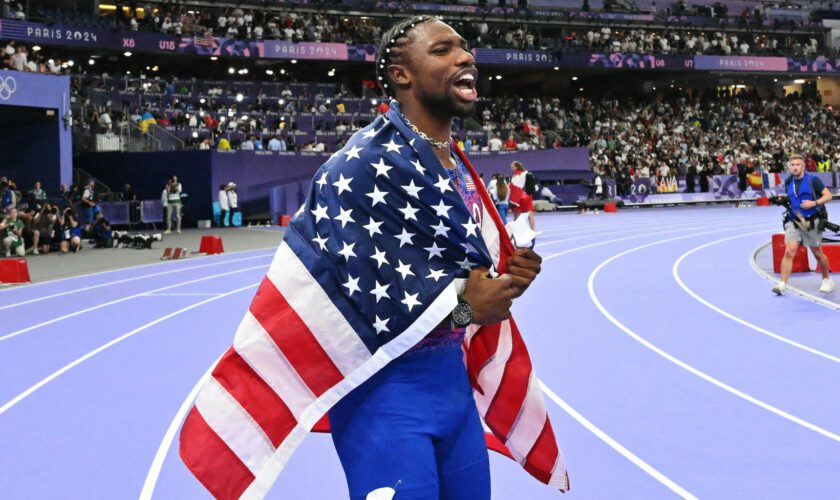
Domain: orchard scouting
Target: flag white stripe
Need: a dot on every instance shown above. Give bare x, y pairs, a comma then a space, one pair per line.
490, 376
234, 425
329, 327
257, 348
529, 423
491, 235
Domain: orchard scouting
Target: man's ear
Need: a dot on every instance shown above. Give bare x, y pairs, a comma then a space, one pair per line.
400, 75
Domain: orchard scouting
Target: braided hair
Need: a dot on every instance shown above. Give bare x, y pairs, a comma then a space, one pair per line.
391, 50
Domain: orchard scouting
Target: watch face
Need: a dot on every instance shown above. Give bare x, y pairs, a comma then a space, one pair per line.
462, 314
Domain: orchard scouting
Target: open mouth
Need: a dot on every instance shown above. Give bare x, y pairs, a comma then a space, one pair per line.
465, 86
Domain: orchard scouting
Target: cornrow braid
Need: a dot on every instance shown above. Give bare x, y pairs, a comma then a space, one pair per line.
391, 49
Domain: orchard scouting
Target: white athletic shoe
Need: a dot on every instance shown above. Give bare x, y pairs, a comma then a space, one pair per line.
779, 288
827, 285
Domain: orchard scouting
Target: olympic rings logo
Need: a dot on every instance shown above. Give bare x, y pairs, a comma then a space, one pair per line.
8, 85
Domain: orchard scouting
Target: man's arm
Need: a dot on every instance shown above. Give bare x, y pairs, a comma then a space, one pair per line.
822, 200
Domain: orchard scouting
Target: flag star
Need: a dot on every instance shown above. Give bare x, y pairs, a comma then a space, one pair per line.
379, 257
373, 227
434, 251
442, 209
392, 146
380, 291
465, 264
377, 196
443, 184
412, 189
344, 216
381, 168
436, 275
322, 181
352, 285
347, 251
418, 166
405, 238
343, 184
469, 248
409, 212
322, 242
404, 269
471, 227
353, 153
370, 133
410, 300
441, 229
411, 142
380, 325
320, 213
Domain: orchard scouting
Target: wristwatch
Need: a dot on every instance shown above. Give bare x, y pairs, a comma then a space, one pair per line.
462, 315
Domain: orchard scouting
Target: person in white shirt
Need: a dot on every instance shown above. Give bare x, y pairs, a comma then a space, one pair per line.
233, 200
224, 205
246, 145
275, 144
495, 143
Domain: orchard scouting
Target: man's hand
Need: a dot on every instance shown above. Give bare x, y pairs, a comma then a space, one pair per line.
489, 298
523, 266
809, 204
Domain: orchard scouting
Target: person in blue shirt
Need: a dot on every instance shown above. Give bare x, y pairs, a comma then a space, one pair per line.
807, 194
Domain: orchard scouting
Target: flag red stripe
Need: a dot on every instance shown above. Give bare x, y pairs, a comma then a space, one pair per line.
510, 396
543, 454
294, 339
210, 460
255, 396
483, 346
493, 443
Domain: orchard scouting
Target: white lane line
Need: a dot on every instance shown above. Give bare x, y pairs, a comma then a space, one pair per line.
163, 449
796, 291
117, 301
603, 436
682, 364
675, 271
126, 280
180, 295
20, 397
120, 269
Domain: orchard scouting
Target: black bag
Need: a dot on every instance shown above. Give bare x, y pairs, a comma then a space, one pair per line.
530, 184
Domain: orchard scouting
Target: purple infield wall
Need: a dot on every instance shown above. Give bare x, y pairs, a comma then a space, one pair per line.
277, 182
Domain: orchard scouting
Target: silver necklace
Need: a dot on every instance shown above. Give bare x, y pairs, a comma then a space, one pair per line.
437, 144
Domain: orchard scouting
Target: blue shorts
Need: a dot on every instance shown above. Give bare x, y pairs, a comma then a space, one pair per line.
414, 427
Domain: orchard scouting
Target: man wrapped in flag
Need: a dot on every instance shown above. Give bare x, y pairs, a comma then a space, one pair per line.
394, 275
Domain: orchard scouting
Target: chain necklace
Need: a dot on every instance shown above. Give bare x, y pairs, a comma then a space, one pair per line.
437, 144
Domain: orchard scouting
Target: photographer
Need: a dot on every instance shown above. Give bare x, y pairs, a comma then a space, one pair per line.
89, 200
11, 230
173, 205
44, 223
69, 232
103, 236
804, 221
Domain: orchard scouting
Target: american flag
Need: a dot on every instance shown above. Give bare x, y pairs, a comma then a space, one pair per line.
204, 38
367, 268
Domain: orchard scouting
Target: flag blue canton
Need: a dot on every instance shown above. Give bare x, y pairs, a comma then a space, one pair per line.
384, 231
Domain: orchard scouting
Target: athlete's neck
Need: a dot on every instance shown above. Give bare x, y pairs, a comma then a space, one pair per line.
439, 129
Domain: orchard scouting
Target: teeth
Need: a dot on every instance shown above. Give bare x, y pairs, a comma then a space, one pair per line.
467, 78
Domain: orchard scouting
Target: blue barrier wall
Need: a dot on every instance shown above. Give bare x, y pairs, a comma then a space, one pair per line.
40, 148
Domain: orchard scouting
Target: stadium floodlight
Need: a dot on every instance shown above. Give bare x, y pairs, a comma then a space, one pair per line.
70, 63
195, 135
498, 77
231, 70
127, 53
775, 80
202, 100
557, 68
201, 113
214, 58
269, 72
799, 81
574, 78
294, 61
91, 62
281, 102
282, 71
244, 71
239, 97
155, 68
36, 48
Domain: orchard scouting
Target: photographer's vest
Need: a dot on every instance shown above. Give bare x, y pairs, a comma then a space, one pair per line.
805, 193
174, 197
